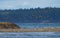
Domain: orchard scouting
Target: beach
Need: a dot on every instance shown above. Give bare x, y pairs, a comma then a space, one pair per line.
32, 30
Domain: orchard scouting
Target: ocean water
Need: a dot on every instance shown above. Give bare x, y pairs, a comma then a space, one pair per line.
29, 34
38, 25
33, 34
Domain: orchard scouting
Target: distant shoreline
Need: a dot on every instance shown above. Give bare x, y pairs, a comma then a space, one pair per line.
32, 30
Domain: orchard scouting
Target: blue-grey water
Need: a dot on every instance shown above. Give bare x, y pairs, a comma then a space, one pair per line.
29, 34
33, 34
39, 25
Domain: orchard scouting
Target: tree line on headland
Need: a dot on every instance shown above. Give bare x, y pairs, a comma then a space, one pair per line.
32, 15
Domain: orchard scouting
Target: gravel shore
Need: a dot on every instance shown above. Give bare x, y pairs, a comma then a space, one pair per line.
32, 30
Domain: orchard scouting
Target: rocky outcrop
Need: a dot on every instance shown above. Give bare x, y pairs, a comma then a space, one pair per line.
8, 25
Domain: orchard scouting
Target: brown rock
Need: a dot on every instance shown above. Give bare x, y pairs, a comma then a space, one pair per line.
8, 25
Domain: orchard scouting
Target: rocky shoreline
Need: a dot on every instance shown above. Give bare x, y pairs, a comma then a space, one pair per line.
11, 27
32, 30
8, 25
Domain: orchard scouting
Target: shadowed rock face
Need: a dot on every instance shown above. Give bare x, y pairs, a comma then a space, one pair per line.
8, 25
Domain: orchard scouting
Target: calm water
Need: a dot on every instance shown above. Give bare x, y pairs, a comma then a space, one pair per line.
38, 25
29, 34
32, 34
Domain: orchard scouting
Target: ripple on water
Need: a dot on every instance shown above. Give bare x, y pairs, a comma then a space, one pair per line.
29, 34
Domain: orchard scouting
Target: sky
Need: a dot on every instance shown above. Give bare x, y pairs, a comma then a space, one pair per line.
16, 4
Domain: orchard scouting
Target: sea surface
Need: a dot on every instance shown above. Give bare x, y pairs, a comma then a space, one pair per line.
29, 34
33, 34
38, 25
